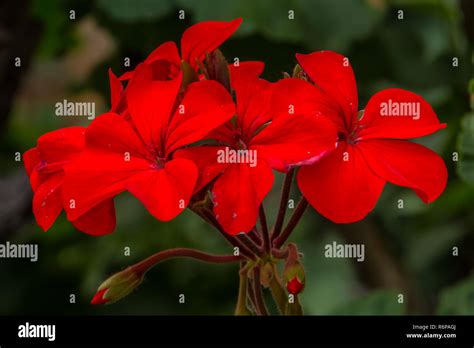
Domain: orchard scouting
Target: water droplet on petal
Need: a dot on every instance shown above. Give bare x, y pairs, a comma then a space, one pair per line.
234, 215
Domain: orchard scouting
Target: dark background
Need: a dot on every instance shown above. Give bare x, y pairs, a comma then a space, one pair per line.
408, 250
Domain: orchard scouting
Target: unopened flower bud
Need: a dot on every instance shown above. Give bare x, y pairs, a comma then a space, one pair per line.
216, 68
293, 272
117, 286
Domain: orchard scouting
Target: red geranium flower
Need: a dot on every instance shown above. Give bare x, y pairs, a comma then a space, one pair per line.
45, 166
345, 185
165, 61
136, 153
277, 143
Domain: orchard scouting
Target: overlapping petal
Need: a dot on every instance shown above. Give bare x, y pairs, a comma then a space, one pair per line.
238, 193
151, 103
341, 186
205, 37
165, 192
407, 164
205, 106
295, 140
292, 96
114, 154
333, 74
205, 157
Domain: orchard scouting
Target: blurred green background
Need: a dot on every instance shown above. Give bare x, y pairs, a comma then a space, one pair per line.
408, 251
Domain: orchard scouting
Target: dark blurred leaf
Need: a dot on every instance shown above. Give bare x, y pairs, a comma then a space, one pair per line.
458, 299
320, 24
435, 243
382, 302
466, 149
134, 11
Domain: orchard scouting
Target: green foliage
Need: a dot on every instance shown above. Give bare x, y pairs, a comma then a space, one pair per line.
133, 11
414, 53
380, 302
458, 299
312, 19
466, 148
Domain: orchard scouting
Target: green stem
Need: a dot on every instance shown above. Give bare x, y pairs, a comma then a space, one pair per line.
241, 307
259, 302
278, 292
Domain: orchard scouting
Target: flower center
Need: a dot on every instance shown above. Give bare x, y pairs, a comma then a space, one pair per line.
350, 138
159, 163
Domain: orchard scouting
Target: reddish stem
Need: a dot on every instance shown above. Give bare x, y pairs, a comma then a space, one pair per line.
143, 266
295, 218
285, 193
265, 234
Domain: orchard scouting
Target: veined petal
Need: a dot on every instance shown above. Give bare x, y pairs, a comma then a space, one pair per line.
341, 186
151, 103
292, 96
253, 102
295, 140
206, 160
113, 155
205, 106
333, 73
238, 193
165, 192
407, 164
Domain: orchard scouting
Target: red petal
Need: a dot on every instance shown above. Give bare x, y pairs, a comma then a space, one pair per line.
295, 140
166, 192
253, 102
126, 75
374, 125
61, 146
47, 203
116, 89
150, 104
333, 73
165, 61
342, 191
206, 105
294, 286
205, 37
293, 96
99, 220
205, 158
98, 298
32, 162
238, 193
252, 68
407, 164
113, 155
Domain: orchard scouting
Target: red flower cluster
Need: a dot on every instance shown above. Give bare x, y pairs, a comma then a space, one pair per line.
173, 132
